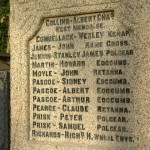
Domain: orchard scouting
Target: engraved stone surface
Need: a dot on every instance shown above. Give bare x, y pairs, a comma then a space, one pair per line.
79, 87
4, 105
80, 75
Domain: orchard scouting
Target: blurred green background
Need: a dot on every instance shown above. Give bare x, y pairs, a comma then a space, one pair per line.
4, 25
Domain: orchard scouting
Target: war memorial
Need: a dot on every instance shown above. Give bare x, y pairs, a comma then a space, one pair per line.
80, 74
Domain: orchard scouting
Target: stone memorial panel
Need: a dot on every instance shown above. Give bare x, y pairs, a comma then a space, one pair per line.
80, 89
80, 75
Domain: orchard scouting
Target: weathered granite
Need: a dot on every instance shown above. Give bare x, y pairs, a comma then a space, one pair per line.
27, 18
4, 110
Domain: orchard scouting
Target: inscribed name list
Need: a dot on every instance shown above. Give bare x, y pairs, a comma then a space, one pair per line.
80, 86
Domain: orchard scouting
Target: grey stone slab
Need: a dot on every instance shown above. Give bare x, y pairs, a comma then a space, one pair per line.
4, 110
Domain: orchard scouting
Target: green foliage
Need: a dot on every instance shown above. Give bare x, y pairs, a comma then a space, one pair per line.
4, 24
